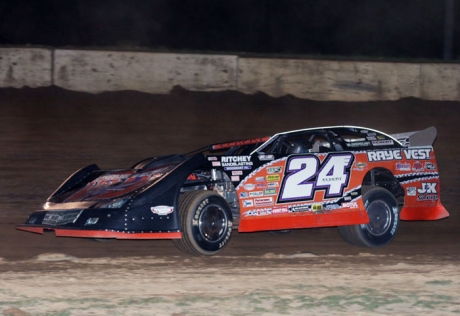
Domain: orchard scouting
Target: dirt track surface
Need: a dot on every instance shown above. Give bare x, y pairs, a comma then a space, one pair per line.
46, 134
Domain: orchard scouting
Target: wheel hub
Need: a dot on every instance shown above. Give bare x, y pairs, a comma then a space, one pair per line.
212, 223
380, 215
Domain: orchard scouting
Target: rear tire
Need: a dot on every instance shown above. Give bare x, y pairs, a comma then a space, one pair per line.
206, 222
383, 212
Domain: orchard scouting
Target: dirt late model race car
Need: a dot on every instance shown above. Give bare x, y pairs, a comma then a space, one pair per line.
359, 179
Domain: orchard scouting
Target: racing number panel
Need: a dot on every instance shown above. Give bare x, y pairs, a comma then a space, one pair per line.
303, 190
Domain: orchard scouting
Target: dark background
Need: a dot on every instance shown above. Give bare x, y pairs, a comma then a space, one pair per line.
407, 29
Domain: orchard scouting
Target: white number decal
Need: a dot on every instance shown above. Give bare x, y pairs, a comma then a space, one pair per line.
303, 178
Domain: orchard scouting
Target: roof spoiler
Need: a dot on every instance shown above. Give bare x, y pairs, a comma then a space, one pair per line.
421, 138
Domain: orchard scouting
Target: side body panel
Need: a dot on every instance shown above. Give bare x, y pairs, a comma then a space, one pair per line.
324, 189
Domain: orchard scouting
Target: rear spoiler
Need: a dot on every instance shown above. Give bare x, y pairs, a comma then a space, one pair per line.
421, 138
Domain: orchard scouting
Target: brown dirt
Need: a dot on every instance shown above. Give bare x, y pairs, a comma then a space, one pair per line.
47, 133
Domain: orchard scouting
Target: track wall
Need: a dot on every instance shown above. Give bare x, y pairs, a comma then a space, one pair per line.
97, 71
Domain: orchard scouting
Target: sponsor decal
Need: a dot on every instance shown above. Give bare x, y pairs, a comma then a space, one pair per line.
280, 210
364, 131
261, 185
384, 155
360, 166
332, 179
162, 209
237, 173
235, 178
430, 166
403, 166
240, 143
273, 184
417, 166
248, 203
347, 198
350, 204
249, 186
428, 187
266, 157
427, 197
260, 179
256, 193
270, 191
300, 208
216, 163
273, 177
244, 195
398, 154
258, 212
371, 138
212, 158
237, 168
236, 161
411, 191
383, 142
358, 144
317, 207
427, 192
421, 153
274, 169
330, 207
263, 201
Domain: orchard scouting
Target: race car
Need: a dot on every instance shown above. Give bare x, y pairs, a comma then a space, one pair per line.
359, 179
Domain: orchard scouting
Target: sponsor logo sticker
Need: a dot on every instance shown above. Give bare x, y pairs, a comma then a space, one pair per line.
263, 201
274, 169
384, 142
266, 157
350, 204
256, 193
249, 186
403, 166
417, 166
270, 191
162, 209
317, 207
411, 191
280, 210
273, 177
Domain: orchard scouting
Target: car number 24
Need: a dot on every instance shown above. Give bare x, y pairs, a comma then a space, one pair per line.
305, 175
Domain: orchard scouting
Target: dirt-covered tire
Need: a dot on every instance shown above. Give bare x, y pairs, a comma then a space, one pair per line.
383, 212
206, 222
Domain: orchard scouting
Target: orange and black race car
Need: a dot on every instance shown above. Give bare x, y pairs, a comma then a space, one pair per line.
361, 180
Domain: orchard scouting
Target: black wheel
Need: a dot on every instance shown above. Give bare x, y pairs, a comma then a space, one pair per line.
206, 221
383, 212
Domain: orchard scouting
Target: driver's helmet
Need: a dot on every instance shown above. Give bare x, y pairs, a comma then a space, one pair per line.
299, 146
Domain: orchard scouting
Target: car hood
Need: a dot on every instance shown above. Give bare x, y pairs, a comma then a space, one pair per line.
118, 183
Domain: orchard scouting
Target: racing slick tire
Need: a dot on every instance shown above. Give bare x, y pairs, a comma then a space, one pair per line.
206, 221
382, 209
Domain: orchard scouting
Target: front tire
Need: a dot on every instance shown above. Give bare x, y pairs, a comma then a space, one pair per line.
206, 222
382, 210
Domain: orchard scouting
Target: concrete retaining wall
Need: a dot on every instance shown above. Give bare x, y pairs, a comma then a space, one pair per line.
25, 67
98, 71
